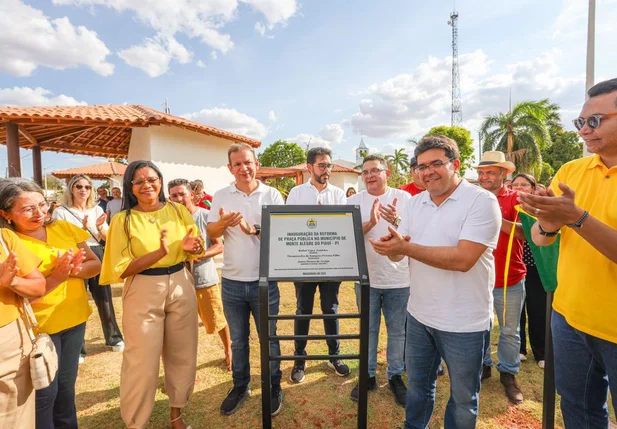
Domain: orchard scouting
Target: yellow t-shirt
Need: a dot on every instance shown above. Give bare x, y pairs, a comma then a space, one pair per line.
145, 232
586, 294
27, 262
67, 305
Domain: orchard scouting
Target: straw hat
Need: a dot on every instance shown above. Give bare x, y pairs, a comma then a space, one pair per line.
495, 159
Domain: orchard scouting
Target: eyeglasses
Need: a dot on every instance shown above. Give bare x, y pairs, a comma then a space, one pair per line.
592, 121
435, 165
80, 187
31, 210
141, 182
323, 166
372, 172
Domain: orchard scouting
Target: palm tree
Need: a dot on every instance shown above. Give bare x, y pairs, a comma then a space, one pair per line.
399, 161
521, 133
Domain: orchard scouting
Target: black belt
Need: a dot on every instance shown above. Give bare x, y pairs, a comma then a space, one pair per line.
163, 270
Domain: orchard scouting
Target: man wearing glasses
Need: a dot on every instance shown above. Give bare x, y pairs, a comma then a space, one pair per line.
317, 191
581, 205
389, 292
448, 233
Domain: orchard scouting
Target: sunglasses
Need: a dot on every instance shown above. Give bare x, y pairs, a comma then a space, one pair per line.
80, 187
592, 121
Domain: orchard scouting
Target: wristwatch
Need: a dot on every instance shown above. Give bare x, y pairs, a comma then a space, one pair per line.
546, 233
579, 223
397, 221
257, 230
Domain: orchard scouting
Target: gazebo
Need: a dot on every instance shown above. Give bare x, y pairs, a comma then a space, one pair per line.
108, 131
343, 177
112, 171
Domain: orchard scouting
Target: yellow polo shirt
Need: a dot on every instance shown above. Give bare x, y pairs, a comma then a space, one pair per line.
586, 294
10, 303
145, 233
67, 305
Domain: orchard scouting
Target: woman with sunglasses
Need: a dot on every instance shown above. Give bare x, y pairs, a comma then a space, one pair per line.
63, 310
148, 245
19, 278
535, 300
81, 210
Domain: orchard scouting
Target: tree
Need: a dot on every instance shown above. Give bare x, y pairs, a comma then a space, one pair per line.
566, 147
282, 154
399, 161
462, 137
546, 174
521, 133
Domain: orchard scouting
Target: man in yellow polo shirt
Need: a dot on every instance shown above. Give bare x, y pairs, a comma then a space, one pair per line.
582, 205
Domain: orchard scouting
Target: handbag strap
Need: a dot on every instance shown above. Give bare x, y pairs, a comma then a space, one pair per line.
82, 221
29, 317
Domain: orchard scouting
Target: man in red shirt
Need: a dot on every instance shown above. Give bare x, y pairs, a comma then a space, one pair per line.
201, 199
415, 187
492, 171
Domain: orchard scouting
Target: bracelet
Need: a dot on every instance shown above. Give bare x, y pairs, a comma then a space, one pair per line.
579, 223
546, 233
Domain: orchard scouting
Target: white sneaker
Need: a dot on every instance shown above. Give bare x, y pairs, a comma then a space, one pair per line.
81, 360
523, 357
118, 347
541, 364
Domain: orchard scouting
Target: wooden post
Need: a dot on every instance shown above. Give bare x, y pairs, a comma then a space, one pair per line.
298, 178
37, 168
12, 144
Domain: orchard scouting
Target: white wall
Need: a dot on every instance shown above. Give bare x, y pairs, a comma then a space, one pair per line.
340, 180
180, 153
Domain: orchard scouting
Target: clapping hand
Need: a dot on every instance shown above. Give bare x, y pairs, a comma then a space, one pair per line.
84, 223
552, 212
64, 266
8, 270
100, 221
392, 244
163, 241
191, 244
230, 219
388, 212
375, 212
78, 259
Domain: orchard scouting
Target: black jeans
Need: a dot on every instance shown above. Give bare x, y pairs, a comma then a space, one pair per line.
55, 405
305, 297
535, 307
103, 300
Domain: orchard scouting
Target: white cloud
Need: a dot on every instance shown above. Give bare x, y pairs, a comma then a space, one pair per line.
201, 64
410, 104
214, 55
309, 139
260, 28
230, 120
332, 133
275, 11
29, 40
25, 96
154, 55
272, 116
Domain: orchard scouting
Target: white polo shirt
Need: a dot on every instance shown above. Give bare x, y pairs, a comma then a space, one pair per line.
453, 301
383, 273
309, 195
241, 255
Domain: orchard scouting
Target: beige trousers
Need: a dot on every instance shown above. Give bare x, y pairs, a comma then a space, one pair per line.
159, 318
16, 392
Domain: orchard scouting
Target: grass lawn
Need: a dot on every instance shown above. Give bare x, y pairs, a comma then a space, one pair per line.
322, 401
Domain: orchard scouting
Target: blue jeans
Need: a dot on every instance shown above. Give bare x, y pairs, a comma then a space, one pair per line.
584, 364
509, 347
462, 352
394, 305
240, 299
55, 405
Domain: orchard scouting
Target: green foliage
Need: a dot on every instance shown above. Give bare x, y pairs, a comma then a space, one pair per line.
398, 162
282, 154
398, 178
566, 147
463, 138
546, 174
522, 133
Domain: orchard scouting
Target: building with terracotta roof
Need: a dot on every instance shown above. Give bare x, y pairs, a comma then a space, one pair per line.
178, 146
342, 177
109, 171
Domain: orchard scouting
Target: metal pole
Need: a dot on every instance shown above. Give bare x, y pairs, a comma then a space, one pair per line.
264, 345
363, 376
591, 53
548, 393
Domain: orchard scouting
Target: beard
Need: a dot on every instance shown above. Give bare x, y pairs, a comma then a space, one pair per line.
323, 179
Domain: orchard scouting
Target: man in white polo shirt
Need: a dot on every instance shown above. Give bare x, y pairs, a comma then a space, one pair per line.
389, 292
318, 190
449, 234
236, 216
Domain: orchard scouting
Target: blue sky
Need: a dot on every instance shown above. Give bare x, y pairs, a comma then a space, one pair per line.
328, 72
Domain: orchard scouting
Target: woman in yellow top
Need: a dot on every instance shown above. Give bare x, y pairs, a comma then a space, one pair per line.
148, 244
19, 277
63, 310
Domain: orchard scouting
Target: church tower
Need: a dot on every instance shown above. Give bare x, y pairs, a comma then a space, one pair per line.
361, 152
